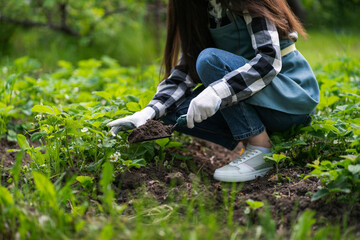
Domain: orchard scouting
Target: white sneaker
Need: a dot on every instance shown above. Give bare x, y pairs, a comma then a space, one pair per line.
248, 166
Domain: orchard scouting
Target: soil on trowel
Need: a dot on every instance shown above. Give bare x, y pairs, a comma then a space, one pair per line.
150, 130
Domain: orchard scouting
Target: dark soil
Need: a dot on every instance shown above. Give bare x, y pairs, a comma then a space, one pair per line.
7, 158
152, 129
183, 178
287, 199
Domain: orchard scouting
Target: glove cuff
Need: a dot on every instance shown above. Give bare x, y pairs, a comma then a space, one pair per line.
148, 112
221, 89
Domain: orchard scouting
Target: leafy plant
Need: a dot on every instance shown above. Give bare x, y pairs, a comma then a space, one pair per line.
277, 158
251, 208
341, 176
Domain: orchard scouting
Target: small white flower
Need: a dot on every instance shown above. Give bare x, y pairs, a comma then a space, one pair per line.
114, 157
67, 97
99, 145
38, 117
84, 129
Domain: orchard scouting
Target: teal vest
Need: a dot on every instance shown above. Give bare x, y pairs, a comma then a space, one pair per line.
294, 90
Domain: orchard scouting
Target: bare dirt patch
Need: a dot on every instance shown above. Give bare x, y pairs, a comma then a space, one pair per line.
7, 158
286, 199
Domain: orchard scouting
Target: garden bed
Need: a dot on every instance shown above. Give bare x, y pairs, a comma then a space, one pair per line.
287, 199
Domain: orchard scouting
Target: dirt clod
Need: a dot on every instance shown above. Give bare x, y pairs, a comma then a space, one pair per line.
151, 129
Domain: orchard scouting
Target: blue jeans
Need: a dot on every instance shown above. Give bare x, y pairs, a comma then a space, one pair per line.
238, 122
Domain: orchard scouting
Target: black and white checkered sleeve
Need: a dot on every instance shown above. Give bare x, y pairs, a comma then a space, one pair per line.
171, 92
249, 79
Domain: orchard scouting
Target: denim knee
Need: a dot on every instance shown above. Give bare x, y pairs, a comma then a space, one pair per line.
205, 61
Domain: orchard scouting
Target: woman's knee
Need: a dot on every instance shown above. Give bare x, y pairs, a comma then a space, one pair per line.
205, 62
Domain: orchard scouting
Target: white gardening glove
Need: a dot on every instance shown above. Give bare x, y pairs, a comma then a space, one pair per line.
203, 106
132, 121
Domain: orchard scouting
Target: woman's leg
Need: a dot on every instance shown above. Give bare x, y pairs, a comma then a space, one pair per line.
242, 118
214, 129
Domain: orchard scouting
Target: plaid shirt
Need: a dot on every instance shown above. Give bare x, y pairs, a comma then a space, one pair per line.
235, 86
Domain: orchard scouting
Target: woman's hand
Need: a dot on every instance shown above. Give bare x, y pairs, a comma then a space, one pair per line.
203, 106
132, 121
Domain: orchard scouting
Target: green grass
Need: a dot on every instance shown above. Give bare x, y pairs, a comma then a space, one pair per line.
133, 45
136, 46
324, 46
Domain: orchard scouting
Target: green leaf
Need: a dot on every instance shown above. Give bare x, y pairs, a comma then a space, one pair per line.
56, 110
6, 198
95, 131
144, 101
140, 162
94, 166
73, 124
121, 112
43, 109
133, 106
97, 115
103, 94
23, 143
106, 176
38, 135
340, 184
254, 204
84, 179
46, 188
97, 124
131, 98
279, 157
330, 128
174, 144
162, 141
320, 194
11, 135
105, 183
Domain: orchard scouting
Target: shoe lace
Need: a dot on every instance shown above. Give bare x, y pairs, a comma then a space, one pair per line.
247, 154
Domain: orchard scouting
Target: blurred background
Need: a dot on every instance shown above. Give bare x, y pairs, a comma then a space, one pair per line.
133, 32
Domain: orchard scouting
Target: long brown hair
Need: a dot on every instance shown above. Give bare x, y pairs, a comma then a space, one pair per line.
187, 27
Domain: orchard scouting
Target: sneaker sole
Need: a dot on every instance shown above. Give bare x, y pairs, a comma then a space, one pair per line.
241, 177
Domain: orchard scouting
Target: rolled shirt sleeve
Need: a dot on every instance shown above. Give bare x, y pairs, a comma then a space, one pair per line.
249, 79
171, 92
